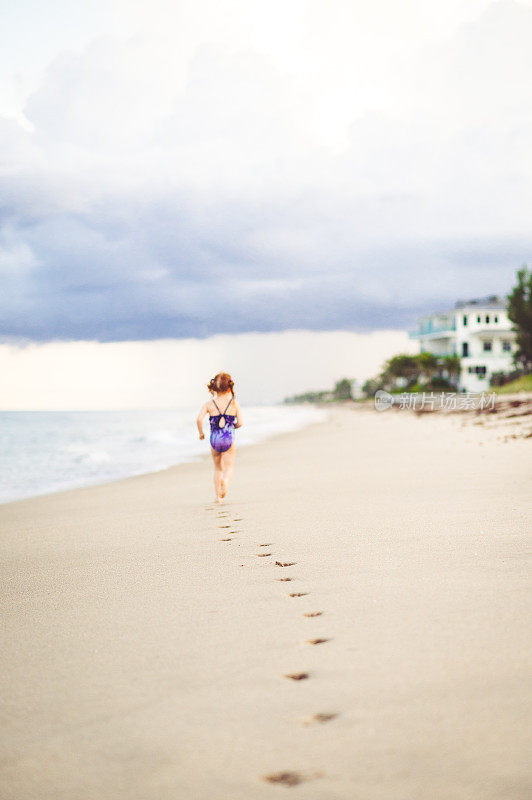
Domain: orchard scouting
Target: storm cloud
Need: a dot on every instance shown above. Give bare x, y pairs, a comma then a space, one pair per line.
146, 194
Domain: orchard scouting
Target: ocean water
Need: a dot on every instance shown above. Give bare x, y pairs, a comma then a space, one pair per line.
47, 451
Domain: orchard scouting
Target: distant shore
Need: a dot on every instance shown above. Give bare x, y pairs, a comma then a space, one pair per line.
353, 622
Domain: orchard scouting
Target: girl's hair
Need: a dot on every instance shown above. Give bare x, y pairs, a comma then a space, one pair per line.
221, 383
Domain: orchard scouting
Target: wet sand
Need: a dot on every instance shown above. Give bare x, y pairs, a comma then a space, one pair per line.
352, 623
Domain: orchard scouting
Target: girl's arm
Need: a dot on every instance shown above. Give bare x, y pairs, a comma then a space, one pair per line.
199, 420
239, 420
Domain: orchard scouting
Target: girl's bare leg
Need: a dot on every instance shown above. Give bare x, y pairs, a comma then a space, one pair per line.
218, 475
228, 465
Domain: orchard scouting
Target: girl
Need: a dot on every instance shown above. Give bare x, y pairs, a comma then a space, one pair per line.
225, 416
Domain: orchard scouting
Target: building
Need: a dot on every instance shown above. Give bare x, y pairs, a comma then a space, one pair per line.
478, 331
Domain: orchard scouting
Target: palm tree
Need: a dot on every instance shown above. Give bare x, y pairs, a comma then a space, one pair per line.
428, 364
452, 365
403, 366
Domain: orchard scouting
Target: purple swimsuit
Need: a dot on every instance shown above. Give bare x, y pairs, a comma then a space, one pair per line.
222, 429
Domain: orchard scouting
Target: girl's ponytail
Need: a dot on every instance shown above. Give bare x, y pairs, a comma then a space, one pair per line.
222, 382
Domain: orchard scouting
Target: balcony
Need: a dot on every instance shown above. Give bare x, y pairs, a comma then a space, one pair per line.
494, 330
430, 331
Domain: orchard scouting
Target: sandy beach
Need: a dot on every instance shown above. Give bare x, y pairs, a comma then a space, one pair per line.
379, 557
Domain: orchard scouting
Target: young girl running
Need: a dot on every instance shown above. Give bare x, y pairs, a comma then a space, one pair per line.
225, 417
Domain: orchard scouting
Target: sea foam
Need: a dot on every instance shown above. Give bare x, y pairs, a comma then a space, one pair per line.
48, 451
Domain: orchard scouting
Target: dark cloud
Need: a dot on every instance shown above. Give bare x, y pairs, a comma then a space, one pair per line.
159, 277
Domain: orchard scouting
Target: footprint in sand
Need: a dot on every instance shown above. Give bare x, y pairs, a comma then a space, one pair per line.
268, 544
297, 676
317, 641
229, 539
312, 613
285, 563
224, 526
291, 778
298, 594
237, 519
320, 718
262, 555
284, 579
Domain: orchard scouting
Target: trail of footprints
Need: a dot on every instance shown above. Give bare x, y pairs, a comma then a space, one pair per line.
283, 778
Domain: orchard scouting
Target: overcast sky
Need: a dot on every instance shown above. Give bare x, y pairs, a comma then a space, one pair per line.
193, 168
189, 169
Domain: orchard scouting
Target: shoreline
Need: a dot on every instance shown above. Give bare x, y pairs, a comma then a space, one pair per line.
150, 633
191, 459
503, 403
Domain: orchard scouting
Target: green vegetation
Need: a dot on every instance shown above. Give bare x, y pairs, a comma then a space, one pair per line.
520, 313
424, 372
309, 397
403, 366
501, 378
342, 391
522, 384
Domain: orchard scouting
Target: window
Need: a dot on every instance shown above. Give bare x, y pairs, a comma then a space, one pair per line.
465, 349
487, 346
464, 320
495, 318
487, 319
506, 346
477, 370
478, 319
